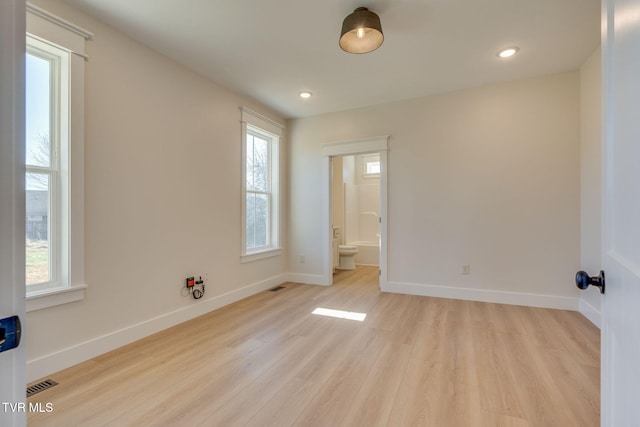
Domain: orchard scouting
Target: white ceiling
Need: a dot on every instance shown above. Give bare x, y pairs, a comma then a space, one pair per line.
273, 49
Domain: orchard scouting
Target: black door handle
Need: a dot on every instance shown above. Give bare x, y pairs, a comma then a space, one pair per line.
583, 280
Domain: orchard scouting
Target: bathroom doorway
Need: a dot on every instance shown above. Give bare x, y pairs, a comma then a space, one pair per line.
355, 205
355, 200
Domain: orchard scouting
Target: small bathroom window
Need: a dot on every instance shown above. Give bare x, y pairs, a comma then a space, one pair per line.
371, 166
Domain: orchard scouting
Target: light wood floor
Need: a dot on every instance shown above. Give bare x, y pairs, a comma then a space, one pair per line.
414, 361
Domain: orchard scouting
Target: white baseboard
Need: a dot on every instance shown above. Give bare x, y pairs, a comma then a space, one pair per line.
500, 297
590, 312
308, 279
62, 359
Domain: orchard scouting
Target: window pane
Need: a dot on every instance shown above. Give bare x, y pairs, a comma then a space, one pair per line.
38, 102
257, 163
257, 220
249, 164
38, 207
373, 167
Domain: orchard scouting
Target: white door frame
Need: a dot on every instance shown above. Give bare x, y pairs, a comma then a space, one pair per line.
12, 208
377, 144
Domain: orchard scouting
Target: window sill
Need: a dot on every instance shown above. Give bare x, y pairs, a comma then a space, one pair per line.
55, 296
260, 255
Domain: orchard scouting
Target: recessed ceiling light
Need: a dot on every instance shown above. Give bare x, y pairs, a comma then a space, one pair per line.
510, 51
305, 94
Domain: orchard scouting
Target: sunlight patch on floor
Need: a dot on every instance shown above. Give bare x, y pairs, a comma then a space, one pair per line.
340, 314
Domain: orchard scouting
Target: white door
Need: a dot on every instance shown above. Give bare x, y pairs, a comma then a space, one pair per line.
12, 290
621, 213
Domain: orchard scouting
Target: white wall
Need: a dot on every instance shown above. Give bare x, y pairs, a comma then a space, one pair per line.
362, 197
590, 205
488, 177
163, 200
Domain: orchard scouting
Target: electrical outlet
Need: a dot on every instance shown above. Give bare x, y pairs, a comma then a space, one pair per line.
466, 269
302, 259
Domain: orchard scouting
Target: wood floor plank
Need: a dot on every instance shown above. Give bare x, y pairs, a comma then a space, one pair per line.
413, 361
430, 395
373, 404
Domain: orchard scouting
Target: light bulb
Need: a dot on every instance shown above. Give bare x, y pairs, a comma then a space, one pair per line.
508, 52
360, 33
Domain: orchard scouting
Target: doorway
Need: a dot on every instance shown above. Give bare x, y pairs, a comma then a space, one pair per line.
373, 151
355, 201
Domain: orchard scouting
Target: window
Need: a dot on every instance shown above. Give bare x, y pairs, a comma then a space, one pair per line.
260, 209
371, 166
54, 104
258, 194
46, 68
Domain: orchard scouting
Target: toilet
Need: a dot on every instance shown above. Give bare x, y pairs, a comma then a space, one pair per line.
343, 255
347, 254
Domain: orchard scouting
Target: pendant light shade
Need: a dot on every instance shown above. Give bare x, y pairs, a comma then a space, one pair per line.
361, 32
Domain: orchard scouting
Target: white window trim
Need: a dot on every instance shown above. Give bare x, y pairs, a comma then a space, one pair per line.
55, 31
271, 192
254, 256
261, 124
55, 296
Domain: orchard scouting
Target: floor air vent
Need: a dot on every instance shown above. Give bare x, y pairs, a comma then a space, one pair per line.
277, 288
41, 386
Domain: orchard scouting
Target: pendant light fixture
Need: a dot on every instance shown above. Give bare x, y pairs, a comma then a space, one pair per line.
361, 32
